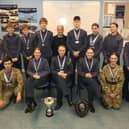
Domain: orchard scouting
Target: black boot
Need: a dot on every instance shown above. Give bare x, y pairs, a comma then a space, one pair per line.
28, 109
58, 105
31, 105
34, 104
68, 100
91, 107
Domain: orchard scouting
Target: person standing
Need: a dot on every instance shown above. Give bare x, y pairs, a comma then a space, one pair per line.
126, 72
113, 42
28, 44
2, 53
59, 39
43, 39
95, 40
12, 45
77, 41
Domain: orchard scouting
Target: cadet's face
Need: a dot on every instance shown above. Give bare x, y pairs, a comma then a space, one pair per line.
77, 24
8, 65
37, 54
113, 28
94, 29
61, 51
10, 30
60, 30
25, 31
89, 53
113, 59
43, 25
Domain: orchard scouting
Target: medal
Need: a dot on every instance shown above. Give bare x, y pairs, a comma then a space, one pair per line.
36, 67
8, 80
27, 42
91, 65
113, 74
43, 38
63, 63
76, 35
92, 41
77, 42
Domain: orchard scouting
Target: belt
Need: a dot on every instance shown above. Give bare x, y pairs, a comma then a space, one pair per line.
110, 82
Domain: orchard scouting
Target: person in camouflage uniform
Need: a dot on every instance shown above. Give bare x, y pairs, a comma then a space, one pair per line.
11, 83
111, 79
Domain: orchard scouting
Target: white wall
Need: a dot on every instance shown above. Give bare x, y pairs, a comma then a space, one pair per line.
54, 11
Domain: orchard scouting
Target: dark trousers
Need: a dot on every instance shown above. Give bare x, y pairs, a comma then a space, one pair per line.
92, 87
62, 86
126, 82
31, 84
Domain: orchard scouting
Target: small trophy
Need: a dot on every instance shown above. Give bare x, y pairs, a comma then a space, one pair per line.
49, 101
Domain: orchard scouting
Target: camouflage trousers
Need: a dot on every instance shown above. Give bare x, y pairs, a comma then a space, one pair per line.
6, 96
112, 102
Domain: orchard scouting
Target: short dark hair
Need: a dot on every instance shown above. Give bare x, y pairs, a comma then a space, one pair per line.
43, 19
6, 59
114, 23
38, 48
95, 24
91, 49
113, 53
10, 25
61, 45
25, 26
76, 18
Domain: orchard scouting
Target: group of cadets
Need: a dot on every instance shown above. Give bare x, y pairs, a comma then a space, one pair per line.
56, 58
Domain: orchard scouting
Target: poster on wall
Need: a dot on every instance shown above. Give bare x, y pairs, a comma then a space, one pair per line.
120, 11
9, 13
29, 16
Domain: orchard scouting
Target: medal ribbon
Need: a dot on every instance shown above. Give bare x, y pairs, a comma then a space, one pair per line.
63, 63
43, 38
77, 35
8, 80
92, 42
36, 67
91, 65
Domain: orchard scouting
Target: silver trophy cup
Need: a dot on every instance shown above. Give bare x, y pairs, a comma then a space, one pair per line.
49, 101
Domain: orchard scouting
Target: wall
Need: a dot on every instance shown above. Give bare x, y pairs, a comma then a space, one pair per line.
38, 4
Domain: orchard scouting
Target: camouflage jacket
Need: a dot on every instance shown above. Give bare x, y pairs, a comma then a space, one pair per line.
110, 83
16, 82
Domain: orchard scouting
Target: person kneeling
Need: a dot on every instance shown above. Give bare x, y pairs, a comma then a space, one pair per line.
11, 83
62, 70
112, 78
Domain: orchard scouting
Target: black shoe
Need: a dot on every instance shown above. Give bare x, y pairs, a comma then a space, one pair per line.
28, 109
31, 107
69, 101
91, 107
58, 106
34, 105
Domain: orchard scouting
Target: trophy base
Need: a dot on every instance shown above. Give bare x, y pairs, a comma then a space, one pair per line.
49, 113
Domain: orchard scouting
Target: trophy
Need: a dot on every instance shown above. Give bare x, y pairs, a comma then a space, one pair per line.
49, 101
